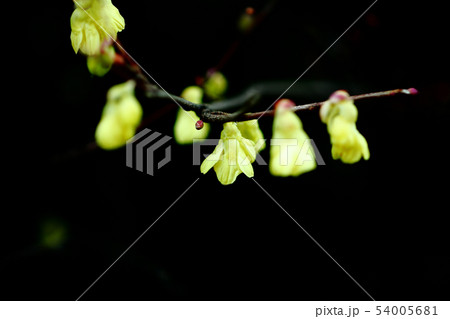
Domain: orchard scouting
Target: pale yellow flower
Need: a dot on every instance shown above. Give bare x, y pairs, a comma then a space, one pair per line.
184, 129
340, 115
216, 85
120, 118
232, 156
251, 131
291, 152
93, 22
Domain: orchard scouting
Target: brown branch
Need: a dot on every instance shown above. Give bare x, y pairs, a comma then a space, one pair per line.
312, 106
207, 115
214, 112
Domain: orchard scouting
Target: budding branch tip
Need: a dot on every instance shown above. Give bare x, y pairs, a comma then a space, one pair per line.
412, 91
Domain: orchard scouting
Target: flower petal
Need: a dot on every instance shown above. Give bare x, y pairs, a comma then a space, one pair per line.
213, 158
245, 165
251, 131
248, 147
92, 40
226, 174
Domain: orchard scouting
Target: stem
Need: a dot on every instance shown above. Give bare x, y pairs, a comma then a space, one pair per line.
312, 106
222, 117
213, 112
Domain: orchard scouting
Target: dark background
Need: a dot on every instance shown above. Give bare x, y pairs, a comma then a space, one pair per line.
384, 220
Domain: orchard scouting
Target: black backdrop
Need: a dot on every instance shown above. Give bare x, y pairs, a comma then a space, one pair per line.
383, 221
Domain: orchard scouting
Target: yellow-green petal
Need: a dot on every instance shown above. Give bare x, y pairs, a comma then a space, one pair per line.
251, 131
213, 158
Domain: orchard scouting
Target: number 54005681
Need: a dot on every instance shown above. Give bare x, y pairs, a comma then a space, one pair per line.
407, 310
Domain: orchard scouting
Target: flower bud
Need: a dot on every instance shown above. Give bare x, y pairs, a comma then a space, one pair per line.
291, 152
100, 64
120, 118
215, 85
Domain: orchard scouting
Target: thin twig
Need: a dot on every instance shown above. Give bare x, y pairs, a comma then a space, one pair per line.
207, 114
215, 112
312, 106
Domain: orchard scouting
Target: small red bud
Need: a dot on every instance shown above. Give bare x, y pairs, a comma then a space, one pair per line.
199, 124
413, 91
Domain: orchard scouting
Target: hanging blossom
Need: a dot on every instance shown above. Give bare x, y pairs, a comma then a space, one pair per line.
233, 155
291, 153
340, 115
120, 118
185, 131
93, 22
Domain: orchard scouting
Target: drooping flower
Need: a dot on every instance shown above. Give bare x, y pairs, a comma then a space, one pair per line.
232, 156
93, 22
120, 118
340, 115
291, 153
185, 131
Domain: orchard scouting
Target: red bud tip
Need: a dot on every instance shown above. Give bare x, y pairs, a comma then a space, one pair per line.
284, 104
413, 91
249, 11
199, 124
339, 96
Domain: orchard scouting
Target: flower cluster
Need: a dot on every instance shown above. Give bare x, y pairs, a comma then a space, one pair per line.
291, 153
291, 150
95, 24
